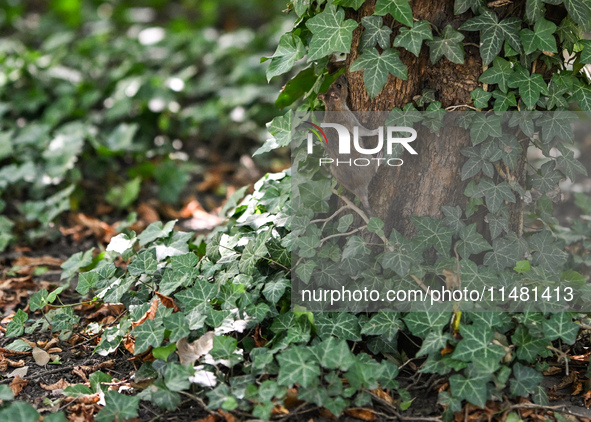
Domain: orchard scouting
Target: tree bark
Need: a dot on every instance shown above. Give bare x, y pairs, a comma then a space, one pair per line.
431, 179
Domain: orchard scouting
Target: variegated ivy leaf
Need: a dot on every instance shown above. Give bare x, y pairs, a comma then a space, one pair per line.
290, 49
398, 9
493, 33
412, 38
375, 32
376, 68
331, 33
541, 38
448, 45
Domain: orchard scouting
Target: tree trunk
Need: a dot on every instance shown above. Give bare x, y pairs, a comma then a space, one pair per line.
432, 178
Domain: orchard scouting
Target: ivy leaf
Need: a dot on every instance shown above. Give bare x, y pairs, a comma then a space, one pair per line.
540, 38
412, 39
147, 334
118, 407
582, 94
505, 254
376, 68
332, 353
156, 231
476, 347
482, 127
546, 253
280, 128
143, 263
398, 9
558, 124
331, 33
472, 388
580, 12
569, 165
472, 242
253, 252
422, 323
433, 233
197, 295
461, 6
585, 53
375, 32
290, 49
528, 348
343, 325
16, 327
525, 381
355, 4
480, 97
494, 195
297, 365
434, 343
75, 262
561, 325
530, 86
385, 324
493, 33
499, 73
449, 45
274, 290
20, 411
504, 102
547, 178
453, 217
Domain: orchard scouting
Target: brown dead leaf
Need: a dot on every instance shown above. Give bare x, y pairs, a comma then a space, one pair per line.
552, 370
291, 399
106, 310
17, 385
587, 399
167, 301
259, 340
129, 343
324, 412
3, 363
363, 414
18, 372
78, 371
150, 313
279, 409
577, 387
60, 385
190, 352
227, 416
41, 356
147, 214
82, 412
209, 418
383, 395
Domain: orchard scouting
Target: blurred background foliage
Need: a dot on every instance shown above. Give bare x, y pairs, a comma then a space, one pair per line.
119, 100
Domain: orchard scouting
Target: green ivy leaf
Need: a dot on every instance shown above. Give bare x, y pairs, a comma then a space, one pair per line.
481, 127
586, 52
499, 73
540, 38
75, 262
412, 38
147, 334
494, 195
472, 388
480, 97
332, 353
343, 326
143, 263
461, 6
280, 128
297, 365
290, 49
476, 347
331, 33
274, 289
434, 343
422, 323
355, 4
493, 33
156, 231
580, 12
569, 165
19, 411
375, 32
118, 407
376, 68
472, 242
547, 178
448, 45
398, 9
546, 253
504, 102
561, 326
385, 324
16, 327
505, 254
528, 348
534, 10
525, 381
530, 86
433, 233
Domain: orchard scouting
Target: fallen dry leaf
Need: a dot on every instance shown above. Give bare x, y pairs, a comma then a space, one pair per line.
60, 385
41, 356
17, 385
363, 414
324, 412
552, 370
227, 416
190, 352
587, 399
150, 314
279, 409
167, 301
209, 418
18, 372
383, 395
78, 371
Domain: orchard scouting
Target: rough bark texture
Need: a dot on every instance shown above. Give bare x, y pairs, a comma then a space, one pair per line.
432, 178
